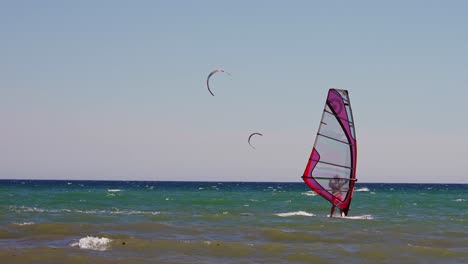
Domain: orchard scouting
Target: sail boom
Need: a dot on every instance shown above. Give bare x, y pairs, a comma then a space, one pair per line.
328, 178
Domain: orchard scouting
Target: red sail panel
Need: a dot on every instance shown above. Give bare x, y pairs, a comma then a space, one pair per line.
331, 169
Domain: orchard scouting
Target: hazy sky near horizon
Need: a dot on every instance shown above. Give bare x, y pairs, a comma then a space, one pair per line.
115, 90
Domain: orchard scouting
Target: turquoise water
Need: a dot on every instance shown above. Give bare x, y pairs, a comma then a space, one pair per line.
222, 222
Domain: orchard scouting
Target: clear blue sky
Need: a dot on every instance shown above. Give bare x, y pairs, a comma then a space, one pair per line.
116, 89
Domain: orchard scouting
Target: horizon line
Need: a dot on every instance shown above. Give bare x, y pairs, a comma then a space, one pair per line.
208, 181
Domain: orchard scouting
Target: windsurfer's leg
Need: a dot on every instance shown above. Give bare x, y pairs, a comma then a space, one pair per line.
342, 213
332, 211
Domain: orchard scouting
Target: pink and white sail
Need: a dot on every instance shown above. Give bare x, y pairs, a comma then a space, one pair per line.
331, 169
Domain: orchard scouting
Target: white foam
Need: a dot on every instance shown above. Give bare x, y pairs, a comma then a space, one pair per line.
246, 214
93, 243
363, 189
298, 213
459, 200
309, 193
365, 217
24, 223
133, 212
114, 190
114, 211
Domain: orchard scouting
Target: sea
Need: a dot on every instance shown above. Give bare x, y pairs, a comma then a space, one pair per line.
228, 222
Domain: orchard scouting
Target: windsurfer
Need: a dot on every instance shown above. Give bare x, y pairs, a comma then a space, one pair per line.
336, 184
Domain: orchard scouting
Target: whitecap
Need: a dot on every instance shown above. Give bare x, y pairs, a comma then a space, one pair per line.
298, 213
246, 214
24, 209
93, 243
135, 212
114, 190
459, 200
363, 189
24, 223
310, 193
365, 217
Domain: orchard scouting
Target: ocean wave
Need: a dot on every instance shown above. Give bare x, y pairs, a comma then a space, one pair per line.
114, 190
24, 209
365, 217
24, 223
363, 189
459, 200
310, 193
93, 243
246, 214
298, 213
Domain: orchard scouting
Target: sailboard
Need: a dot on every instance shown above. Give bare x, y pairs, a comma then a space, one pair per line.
331, 169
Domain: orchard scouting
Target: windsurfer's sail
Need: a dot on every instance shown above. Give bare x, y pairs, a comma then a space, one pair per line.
331, 170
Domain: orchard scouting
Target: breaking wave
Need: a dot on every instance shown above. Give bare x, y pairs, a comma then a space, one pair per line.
363, 189
93, 243
310, 193
298, 213
24, 223
24, 209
